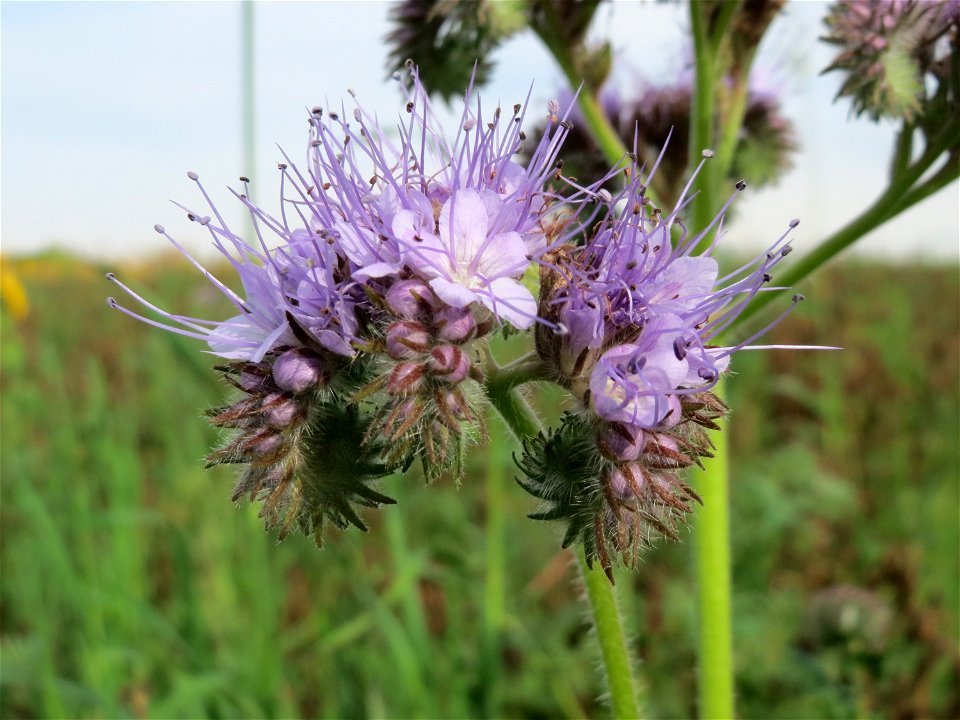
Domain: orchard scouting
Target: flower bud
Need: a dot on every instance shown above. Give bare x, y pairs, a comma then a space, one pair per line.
409, 298
620, 443
455, 325
254, 382
627, 482
405, 378
280, 411
298, 370
406, 339
449, 363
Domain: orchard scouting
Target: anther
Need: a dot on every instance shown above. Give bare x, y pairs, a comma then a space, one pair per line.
794, 222
708, 153
798, 298
192, 175
741, 185
410, 106
357, 115
159, 229
679, 349
517, 108
708, 374
767, 277
787, 249
244, 179
469, 124
281, 166
318, 111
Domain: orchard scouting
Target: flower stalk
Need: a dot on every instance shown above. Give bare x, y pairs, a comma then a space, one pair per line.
523, 422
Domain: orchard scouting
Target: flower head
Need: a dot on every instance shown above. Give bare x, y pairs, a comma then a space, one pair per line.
637, 309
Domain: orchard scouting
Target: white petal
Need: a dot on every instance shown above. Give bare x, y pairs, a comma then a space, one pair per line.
463, 225
509, 300
453, 294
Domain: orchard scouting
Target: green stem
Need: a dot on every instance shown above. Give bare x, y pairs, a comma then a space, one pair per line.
613, 646
601, 129
712, 528
712, 533
494, 590
899, 196
702, 118
902, 151
524, 423
503, 393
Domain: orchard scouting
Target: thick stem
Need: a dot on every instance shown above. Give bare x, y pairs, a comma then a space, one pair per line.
702, 118
712, 533
610, 637
501, 385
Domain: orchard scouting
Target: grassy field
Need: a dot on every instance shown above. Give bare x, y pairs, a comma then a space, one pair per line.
132, 588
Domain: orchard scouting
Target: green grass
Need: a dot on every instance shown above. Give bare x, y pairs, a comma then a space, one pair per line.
131, 586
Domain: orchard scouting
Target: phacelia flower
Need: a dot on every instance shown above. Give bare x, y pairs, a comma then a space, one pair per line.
639, 306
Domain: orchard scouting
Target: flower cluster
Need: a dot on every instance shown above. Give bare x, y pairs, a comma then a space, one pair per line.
639, 306
887, 49
355, 344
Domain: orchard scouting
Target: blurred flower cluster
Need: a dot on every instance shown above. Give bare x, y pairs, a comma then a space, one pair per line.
896, 54
360, 343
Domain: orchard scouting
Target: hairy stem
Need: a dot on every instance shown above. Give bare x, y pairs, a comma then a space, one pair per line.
613, 646
523, 422
712, 533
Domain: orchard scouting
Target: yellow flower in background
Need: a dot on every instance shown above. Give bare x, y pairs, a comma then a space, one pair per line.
12, 292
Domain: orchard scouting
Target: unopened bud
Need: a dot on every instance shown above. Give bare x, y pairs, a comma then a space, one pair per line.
406, 339
455, 325
405, 378
449, 363
627, 481
620, 442
280, 411
298, 370
410, 298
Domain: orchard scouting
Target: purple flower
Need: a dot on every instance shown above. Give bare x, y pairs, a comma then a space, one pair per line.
462, 215
636, 383
296, 281
467, 261
633, 285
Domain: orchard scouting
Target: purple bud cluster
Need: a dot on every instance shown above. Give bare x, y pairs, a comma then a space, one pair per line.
276, 398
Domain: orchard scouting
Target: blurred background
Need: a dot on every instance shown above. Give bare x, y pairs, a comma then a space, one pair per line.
131, 587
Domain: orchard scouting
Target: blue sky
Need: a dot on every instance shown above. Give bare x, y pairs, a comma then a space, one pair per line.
105, 106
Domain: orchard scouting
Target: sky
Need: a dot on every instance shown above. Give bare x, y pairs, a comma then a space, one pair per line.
104, 107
